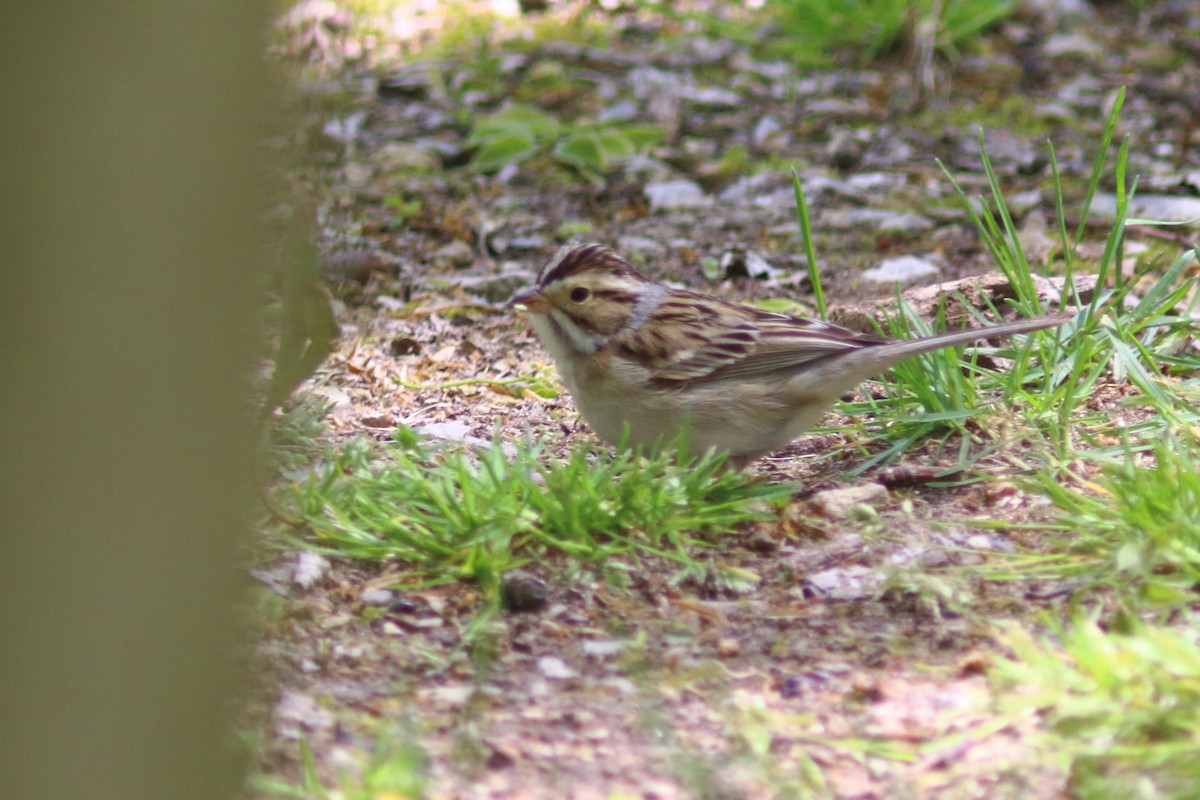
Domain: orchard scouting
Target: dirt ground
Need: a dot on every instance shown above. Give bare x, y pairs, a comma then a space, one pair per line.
856, 667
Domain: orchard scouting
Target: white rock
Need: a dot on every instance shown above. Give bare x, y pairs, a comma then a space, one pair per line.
876, 218
601, 648
873, 181
680, 193
904, 268
712, 96
634, 245
1164, 207
451, 430
620, 111
766, 127
838, 503
310, 568
1071, 44
376, 597
556, 668
846, 583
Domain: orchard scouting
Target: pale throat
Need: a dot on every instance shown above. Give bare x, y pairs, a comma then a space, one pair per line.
649, 298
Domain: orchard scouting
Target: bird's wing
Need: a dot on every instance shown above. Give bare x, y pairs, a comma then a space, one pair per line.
691, 337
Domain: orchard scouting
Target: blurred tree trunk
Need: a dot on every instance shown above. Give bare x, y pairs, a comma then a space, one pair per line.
131, 234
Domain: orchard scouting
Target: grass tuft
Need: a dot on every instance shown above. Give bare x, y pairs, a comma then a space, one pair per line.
1120, 711
395, 768
1138, 526
464, 515
1050, 375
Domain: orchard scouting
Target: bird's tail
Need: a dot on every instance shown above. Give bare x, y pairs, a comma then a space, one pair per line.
912, 347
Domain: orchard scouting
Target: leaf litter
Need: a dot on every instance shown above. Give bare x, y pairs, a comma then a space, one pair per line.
851, 668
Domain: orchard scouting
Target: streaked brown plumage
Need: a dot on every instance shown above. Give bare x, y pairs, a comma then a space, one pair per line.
637, 354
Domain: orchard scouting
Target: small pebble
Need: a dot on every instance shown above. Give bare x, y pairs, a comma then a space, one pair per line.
555, 668
523, 592
376, 597
840, 503
728, 648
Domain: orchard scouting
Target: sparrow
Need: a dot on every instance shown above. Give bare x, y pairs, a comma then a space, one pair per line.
644, 361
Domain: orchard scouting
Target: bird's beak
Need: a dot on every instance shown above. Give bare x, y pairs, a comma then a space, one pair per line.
530, 300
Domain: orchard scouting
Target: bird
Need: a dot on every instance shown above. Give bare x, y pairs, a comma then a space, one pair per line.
644, 361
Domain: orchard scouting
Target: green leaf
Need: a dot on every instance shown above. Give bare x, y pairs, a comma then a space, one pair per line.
498, 152
642, 136
615, 146
523, 121
582, 151
1155, 301
1161, 592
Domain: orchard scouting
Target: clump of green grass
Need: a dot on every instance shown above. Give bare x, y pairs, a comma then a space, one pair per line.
470, 29
1120, 711
515, 133
396, 768
815, 31
812, 29
1114, 336
463, 515
939, 394
1051, 374
1136, 528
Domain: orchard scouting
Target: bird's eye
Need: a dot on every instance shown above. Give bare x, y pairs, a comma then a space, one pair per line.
579, 294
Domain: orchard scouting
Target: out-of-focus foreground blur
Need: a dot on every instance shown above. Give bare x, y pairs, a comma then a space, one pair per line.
130, 229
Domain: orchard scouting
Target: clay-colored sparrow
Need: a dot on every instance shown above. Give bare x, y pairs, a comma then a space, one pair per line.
639, 355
